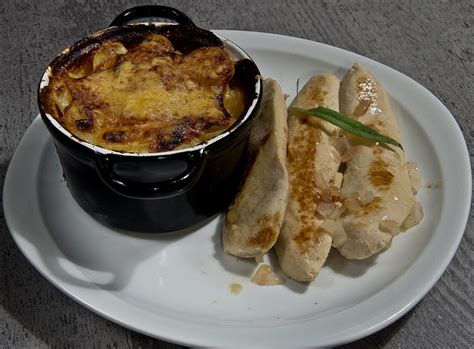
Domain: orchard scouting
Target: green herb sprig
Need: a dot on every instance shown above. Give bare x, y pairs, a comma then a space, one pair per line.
348, 124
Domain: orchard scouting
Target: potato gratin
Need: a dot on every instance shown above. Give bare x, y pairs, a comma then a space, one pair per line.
147, 97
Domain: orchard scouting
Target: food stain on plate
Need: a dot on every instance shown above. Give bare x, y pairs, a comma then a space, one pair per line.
434, 184
235, 287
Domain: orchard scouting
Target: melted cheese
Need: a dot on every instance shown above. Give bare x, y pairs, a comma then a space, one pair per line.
147, 98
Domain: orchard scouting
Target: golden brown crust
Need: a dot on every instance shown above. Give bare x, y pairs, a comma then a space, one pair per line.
148, 98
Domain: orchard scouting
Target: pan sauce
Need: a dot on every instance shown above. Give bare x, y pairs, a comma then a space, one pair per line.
147, 98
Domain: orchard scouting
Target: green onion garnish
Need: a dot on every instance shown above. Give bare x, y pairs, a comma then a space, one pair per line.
348, 124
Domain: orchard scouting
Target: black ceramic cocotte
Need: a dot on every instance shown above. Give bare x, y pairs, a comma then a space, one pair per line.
166, 191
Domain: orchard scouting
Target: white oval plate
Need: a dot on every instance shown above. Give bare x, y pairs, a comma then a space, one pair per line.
176, 286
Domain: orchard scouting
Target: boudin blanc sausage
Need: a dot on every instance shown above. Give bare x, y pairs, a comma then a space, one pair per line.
253, 221
376, 191
302, 247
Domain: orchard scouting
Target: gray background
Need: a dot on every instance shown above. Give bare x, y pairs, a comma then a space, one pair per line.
430, 41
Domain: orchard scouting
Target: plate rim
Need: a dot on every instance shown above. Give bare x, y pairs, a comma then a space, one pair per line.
348, 337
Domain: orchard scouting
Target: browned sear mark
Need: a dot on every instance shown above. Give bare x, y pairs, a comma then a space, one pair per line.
316, 94
379, 175
307, 237
371, 206
362, 107
266, 236
263, 238
303, 187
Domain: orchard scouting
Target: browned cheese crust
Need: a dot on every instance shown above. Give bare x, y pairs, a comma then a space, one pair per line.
146, 98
